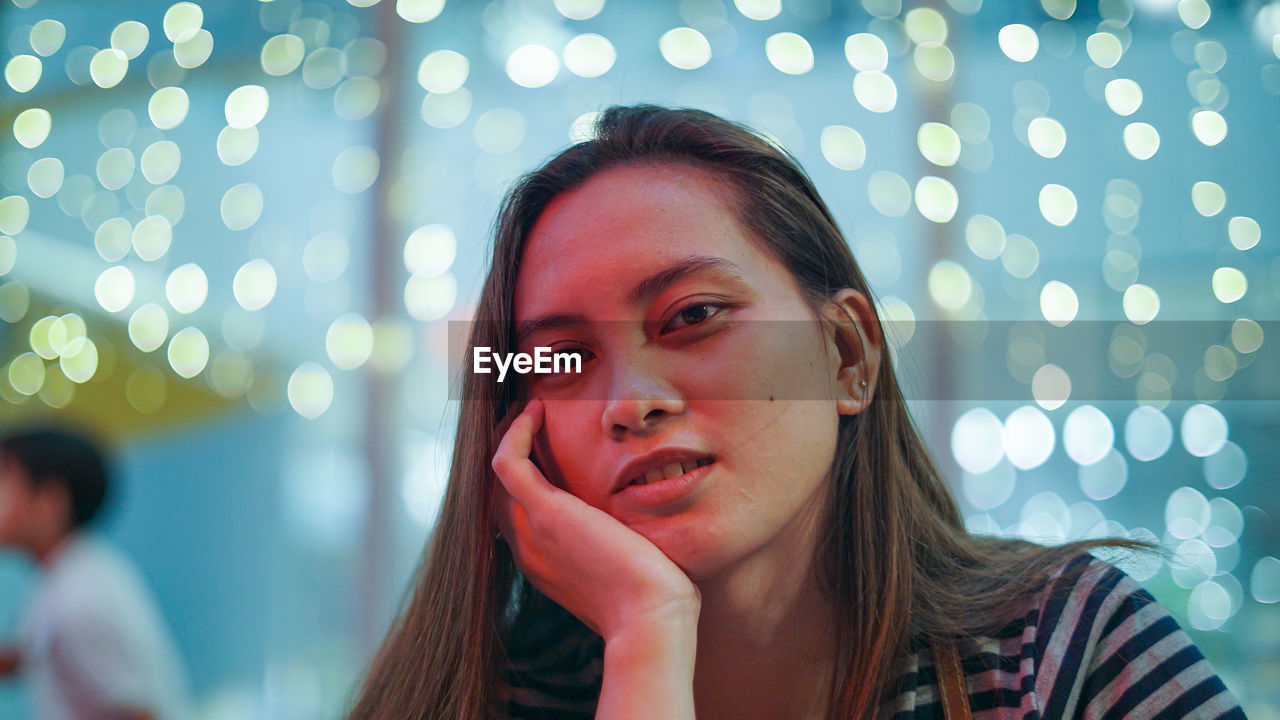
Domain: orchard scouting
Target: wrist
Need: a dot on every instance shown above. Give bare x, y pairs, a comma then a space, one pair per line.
655, 630
648, 671
674, 618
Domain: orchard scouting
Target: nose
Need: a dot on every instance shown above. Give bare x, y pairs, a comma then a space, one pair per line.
640, 402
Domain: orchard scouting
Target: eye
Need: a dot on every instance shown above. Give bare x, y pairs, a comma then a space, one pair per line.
568, 362
576, 355
692, 315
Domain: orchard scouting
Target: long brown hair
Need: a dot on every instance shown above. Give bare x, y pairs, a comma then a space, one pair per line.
895, 558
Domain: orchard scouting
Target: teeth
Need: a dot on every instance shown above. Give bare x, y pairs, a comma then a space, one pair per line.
672, 470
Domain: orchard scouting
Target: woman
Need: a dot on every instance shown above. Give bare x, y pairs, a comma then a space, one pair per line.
728, 511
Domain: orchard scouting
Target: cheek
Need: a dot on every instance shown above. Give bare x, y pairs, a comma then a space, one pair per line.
763, 361
792, 442
793, 358
567, 446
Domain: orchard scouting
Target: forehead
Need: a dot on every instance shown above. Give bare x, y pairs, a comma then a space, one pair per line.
623, 225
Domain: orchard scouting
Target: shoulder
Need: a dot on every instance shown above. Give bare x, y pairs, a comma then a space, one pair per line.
1093, 644
92, 574
1104, 647
95, 596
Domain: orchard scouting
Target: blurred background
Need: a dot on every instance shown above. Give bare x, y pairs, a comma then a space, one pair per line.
233, 234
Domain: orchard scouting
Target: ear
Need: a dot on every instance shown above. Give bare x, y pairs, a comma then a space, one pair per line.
858, 344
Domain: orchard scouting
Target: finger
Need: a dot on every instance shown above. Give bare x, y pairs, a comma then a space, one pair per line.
512, 464
504, 506
518, 438
513, 412
509, 525
514, 526
544, 459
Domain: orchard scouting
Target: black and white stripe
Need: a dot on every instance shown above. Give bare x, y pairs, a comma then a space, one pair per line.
1093, 645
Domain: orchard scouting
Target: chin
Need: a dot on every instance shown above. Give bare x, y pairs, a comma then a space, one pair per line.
693, 547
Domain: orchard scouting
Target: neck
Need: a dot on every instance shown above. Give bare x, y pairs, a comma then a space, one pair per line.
46, 549
766, 639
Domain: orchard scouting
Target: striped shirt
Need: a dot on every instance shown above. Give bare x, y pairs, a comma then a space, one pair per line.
1100, 648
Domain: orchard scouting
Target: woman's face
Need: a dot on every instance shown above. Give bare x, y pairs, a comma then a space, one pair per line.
701, 360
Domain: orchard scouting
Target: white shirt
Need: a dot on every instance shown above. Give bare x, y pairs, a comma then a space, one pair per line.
93, 640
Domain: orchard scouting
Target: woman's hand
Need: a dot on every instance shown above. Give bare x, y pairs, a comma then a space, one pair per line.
609, 576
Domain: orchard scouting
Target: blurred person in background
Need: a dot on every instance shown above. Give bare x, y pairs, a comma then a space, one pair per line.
93, 644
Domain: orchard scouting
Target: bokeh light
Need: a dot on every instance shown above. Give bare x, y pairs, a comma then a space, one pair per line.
114, 288
1019, 42
1063, 208
579, 9
1148, 433
246, 106
843, 147
443, 71
866, 51
188, 352
936, 199
1029, 438
310, 390
430, 250
186, 288
22, 72
875, 91
31, 127
685, 48
254, 284
168, 107
589, 55
977, 441
1104, 478
282, 54
148, 327
789, 52
1058, 204
349, 341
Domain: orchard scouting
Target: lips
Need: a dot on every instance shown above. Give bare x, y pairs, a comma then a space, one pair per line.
660, 465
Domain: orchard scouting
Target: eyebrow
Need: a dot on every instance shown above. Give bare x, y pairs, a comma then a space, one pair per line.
547, 322
641, 293
661, 280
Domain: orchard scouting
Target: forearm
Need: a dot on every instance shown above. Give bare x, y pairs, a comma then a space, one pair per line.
649, 673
